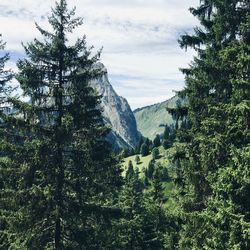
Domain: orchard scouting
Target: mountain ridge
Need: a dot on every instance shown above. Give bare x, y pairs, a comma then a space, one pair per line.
151, 105
151, 119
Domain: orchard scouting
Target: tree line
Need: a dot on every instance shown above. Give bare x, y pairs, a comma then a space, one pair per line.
62, 187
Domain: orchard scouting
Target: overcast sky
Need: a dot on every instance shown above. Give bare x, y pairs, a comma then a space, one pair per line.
139, 40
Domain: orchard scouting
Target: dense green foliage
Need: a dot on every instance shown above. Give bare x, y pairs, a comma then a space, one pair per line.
59, 175
144, 149
61, 186
5, 77
157, 141
155, 153
137, 159
212, 156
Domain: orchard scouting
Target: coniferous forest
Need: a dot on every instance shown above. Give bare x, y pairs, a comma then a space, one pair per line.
62, 186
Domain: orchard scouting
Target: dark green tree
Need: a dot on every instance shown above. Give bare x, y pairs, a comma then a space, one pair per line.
155, 153
5, 90
167, 131
146, 180
131, 227
147, 142
5, 76
165, 175
158, 190
150, 169
157, 224
138, 147
157, 141
62, 177
138, 228
137, 159
144, 149
130, 172
166, 144
151, 145
211, 158
167, 137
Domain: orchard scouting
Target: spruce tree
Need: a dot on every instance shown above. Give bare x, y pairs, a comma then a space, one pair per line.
166, 134
137, 159
136, 228
157, 141
150, 169
131, 231
5, 77
62, 177
155, 153
144, 150
212, 159
130, 172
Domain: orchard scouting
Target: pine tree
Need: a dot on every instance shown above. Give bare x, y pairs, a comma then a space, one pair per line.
212, 158
138, 147
137, 159
167, 137
150, 169
157, 141
62, 175
130, 172
147, 142
157, 223
144, 150
166, 134
155, 153
131, 228
5, 77
137, 229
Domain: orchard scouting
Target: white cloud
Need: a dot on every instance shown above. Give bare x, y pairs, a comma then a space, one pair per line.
139, 39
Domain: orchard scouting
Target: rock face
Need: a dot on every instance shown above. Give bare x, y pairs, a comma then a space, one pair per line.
117, 113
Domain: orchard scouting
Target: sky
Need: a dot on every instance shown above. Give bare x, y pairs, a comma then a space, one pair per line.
138, 37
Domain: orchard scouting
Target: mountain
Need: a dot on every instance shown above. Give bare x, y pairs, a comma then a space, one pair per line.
116, 112
152, 119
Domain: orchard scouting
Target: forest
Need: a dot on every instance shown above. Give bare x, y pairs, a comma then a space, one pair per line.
62, 186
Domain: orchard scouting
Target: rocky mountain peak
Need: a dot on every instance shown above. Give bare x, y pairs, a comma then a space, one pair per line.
116, 112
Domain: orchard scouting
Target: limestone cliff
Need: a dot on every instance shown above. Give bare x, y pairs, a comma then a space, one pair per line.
116, 112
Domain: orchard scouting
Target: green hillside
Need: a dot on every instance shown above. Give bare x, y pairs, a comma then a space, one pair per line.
151, 119
162, 160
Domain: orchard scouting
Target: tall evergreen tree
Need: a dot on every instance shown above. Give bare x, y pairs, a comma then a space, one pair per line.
144, 149
213, 156
62, 175
5, 77
130, 172
151, 168
138, 147
131, 228
157, 141
137, 159
155, 153
166, 134
139, 227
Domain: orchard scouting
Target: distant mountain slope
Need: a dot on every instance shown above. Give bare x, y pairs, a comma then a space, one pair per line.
117, 113
151, 119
